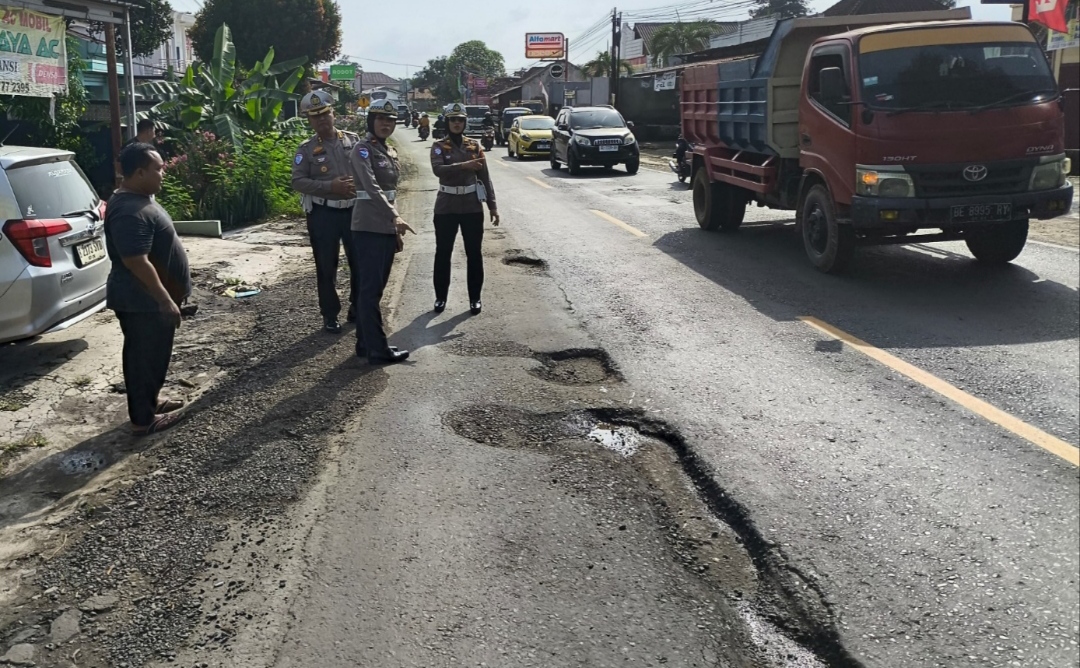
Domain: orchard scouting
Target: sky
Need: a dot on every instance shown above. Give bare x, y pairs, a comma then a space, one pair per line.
424, 29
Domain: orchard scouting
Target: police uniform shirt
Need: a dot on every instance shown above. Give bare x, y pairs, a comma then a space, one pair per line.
377, 169
318, 162
446, 159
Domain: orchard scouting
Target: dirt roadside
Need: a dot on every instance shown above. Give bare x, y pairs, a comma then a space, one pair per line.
103, 534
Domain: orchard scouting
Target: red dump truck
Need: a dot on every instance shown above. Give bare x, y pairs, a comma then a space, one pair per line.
878, 132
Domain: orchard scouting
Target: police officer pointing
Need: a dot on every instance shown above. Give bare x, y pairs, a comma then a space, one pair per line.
322, 174
378, 230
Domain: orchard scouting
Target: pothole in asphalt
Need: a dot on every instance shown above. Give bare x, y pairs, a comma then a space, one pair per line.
80, 463
577, 366
524, 258
710, 533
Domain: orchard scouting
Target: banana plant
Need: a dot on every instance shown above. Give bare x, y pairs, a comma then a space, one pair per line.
211, 98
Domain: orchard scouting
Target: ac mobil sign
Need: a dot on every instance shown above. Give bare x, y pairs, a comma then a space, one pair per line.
545, 45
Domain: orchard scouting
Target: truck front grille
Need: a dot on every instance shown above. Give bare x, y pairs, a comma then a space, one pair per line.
1002, 178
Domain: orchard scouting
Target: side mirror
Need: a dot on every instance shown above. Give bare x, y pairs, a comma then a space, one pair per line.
630, 124
563, 127
832, 85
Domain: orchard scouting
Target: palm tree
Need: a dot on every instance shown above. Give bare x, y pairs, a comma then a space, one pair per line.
600, 66
681, 37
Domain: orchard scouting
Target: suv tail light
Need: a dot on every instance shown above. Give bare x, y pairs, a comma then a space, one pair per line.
31, 238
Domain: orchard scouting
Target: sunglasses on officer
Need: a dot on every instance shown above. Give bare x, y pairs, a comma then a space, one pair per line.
457, 119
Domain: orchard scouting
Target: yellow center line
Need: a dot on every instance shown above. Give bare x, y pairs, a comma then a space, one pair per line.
618, 223
1066, 451
539, 182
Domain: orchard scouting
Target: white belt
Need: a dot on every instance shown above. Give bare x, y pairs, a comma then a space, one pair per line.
391, 195
334, 203
458, 190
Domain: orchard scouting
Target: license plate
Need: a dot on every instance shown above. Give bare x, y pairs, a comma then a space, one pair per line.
981, 213
608, 149
90, 252
542, 147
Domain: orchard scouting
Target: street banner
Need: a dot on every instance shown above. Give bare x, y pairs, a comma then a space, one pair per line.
342, 72
479, 83
1055, 41
33, 53
665, 81
1050, 13
545, 45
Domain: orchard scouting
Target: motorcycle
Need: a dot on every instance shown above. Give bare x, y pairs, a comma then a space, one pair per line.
424, 132
683, 163
488, 139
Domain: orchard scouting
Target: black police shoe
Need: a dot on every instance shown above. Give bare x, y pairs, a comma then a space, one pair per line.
391, 356
332, 325
361, 351
440, 306
475, 308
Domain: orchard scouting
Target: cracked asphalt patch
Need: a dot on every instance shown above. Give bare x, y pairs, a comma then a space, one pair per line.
702, 542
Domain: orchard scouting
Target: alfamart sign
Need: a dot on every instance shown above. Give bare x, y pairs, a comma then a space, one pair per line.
545, 45
33, 53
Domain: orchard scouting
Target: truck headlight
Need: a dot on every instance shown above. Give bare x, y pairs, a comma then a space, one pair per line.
629, 140
1050, 173
584, 141
871, 182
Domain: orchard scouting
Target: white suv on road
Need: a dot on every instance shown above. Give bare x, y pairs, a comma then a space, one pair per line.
53, 265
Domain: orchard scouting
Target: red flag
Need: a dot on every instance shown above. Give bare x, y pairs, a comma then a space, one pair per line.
1050, 13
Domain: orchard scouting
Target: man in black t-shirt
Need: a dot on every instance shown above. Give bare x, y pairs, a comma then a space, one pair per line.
149, 280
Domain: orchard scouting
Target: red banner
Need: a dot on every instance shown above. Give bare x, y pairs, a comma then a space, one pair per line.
1050, 13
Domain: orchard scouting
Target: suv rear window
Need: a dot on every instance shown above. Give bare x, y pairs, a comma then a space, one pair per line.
590, 119
51, 189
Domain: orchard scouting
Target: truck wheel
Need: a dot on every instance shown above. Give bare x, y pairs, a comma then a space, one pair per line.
717, 206
999, 244
632, 166
554, 162
829, 245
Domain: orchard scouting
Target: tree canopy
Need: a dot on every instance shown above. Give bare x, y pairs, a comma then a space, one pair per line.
783, 9
681, 37
309, 29
600, 66
151, 26
444, 74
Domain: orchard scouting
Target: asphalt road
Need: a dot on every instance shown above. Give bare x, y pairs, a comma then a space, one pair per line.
783, 475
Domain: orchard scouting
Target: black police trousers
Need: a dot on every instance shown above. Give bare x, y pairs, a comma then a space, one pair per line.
472, 233
376, 257
328, 230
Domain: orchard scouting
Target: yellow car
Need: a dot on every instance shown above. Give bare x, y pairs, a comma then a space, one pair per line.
530, 136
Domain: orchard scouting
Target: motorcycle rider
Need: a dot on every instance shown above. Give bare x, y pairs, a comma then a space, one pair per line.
489, 121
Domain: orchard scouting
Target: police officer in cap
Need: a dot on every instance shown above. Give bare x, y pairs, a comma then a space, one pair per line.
378, 230
323, 176
464, 187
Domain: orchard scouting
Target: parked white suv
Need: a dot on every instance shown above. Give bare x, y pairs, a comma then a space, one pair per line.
53, 265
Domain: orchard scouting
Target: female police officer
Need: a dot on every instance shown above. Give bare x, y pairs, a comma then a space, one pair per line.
378, 230
464, 186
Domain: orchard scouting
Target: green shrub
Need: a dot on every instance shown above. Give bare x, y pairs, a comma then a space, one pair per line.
210, 179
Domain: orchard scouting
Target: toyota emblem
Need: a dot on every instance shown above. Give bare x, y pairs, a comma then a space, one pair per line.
975, 173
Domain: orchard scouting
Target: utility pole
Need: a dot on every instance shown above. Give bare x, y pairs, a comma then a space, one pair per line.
114, 99
616, 18
129, 67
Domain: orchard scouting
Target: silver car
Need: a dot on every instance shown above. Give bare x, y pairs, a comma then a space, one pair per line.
53, 264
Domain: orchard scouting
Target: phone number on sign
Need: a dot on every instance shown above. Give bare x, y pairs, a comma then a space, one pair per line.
14, 87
